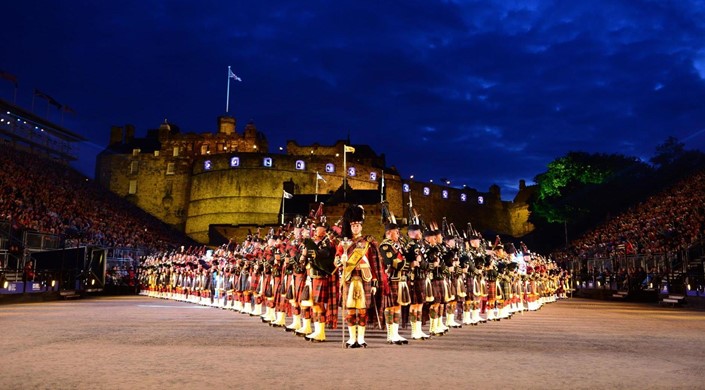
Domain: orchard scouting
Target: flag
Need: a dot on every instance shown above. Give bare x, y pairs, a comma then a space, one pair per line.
48, 98
9, 77
233, 75
287, 195
349, 149
319, 177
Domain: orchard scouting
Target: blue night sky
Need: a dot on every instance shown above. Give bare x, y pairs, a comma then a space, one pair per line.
477, 92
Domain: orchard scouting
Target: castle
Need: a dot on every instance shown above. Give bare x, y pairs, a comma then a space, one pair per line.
198, 182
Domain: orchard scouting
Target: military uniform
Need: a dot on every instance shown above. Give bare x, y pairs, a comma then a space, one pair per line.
397, 270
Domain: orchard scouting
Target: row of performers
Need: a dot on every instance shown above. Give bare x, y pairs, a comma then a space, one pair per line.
310, 272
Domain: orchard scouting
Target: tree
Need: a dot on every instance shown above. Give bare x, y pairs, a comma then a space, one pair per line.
668, 152
573, 187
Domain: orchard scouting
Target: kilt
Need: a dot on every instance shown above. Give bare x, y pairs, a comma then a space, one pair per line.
333, 300
294, 287
254, 283
491, 291
451, 290
243, 283
469, 288
283, 285
275, 285
438, 291
320, 290
267, 287
397, 297
416, 290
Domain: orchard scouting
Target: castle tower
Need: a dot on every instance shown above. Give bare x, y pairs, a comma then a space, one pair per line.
226, 125
115, 135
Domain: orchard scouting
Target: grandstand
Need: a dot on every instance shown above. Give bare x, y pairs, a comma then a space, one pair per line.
655, 248
59, 231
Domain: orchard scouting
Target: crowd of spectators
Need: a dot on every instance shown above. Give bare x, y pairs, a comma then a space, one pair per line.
38, 194
667, 222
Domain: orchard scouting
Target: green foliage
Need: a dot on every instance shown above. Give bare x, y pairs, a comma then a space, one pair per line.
570, 189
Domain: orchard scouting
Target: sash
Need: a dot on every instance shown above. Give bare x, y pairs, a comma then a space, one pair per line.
354, 260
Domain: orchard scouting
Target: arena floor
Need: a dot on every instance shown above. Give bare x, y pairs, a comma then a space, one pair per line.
139, 342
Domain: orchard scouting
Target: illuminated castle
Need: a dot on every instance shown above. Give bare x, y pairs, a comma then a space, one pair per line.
196, 182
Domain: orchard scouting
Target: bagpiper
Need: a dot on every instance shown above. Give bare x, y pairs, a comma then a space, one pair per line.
362, 271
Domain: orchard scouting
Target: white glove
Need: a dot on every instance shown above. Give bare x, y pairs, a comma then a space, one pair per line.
373, 290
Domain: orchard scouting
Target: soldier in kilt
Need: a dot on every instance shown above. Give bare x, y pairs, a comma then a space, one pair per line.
491, 279
320, 258
390, 251
280, 280
362, 274
436, 276
417, 280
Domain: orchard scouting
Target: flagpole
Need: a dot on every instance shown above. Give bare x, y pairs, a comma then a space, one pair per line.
227, 96
381, 190
345, 172
316, 197
283, 197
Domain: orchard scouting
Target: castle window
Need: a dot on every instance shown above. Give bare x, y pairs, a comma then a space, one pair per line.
426, 191
405, 187
176, 151
444, 194
267, 162
204, 149
207, 165
373, 176
330, 168
300, 165
156, 153
170, 168
463, 197
135, 152
352, 171
133, 187
134, 167
480, 200
234, 162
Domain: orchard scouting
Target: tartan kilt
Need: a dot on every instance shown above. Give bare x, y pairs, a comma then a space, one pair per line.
452, 290
469, 288
243, 283
333, 299
267, 289
254, 283
285, 281
295, 286
277, 281
491, 291
417, 293
438, 291
393, 297
397, 298
320, 290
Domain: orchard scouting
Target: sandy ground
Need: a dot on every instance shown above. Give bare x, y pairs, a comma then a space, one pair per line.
138, 342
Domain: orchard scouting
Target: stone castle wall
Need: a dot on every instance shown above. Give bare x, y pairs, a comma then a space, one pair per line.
191, 189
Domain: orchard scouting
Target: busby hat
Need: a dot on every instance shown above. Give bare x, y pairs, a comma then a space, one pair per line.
354, 213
